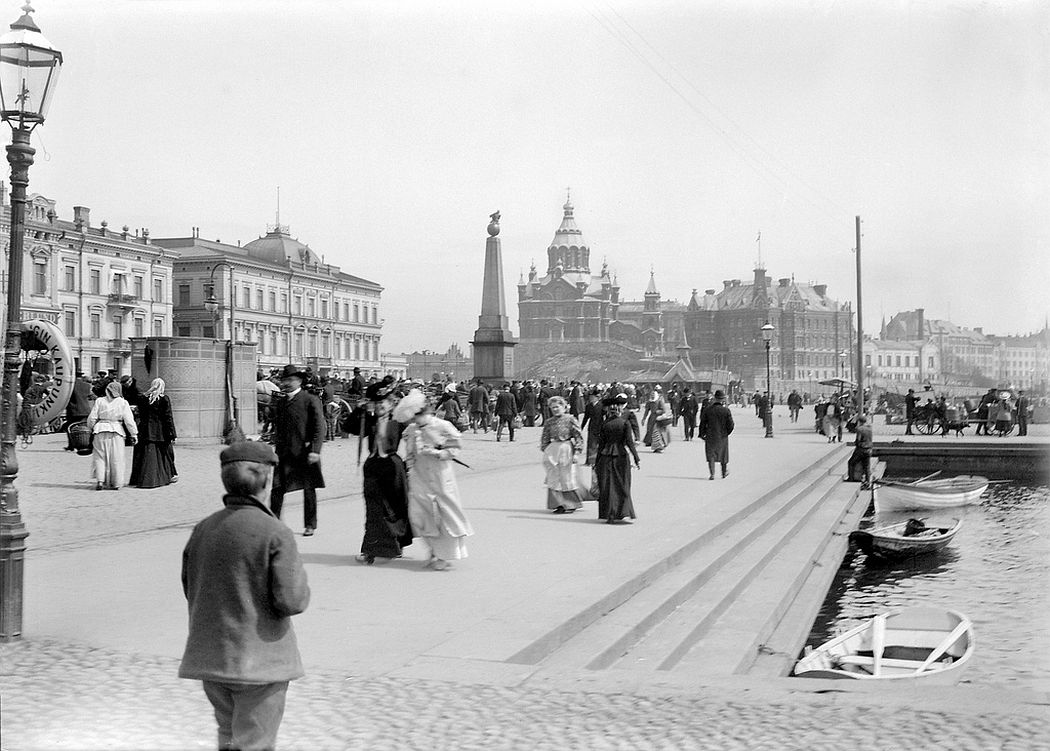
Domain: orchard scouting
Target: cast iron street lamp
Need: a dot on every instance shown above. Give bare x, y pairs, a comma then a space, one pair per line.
842, 364
233, 430
767, 337
29, 67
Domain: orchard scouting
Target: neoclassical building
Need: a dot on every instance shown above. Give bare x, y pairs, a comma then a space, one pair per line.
295, 307
99, 286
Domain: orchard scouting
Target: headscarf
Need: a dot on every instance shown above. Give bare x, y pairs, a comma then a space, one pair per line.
113, 390
156, 390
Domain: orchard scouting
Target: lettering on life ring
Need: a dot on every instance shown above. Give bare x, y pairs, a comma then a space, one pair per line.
62, 373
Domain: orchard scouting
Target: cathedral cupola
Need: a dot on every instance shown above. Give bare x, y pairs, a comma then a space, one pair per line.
568, 248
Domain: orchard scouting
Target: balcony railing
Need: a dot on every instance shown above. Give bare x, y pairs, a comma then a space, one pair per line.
122, 300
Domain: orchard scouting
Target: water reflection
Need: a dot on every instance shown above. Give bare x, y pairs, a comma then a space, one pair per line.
996, 571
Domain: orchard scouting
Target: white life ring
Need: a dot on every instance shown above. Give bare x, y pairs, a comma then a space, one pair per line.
63, 372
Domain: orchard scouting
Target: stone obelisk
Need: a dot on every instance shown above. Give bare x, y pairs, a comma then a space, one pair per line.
493, 342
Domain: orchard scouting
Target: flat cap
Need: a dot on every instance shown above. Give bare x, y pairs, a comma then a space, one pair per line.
248, 451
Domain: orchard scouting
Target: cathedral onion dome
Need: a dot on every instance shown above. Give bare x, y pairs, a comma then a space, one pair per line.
277, 246
568, 247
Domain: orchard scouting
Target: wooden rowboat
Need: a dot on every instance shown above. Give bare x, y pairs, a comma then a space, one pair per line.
929, 494
919, 643
903, 540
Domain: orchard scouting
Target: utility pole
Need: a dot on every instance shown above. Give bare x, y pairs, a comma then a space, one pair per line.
860, 334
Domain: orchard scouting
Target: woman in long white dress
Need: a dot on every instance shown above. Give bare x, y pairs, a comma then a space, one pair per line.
110, 421
561, 444
434, 510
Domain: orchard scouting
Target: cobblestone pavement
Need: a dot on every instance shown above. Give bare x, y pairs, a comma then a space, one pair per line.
72, 697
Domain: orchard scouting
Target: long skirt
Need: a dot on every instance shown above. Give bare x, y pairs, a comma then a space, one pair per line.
562, 485
152, 464
434, 508
384, 485
661, 436
614, 487
831, 426
108, 459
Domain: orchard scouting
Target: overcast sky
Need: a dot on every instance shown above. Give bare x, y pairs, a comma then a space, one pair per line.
683, 128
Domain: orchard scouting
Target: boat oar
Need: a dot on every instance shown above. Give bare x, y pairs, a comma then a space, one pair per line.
878, 642
944, 646
927, 477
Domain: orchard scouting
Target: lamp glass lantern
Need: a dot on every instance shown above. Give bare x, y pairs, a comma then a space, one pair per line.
211, 304
767, 332
29, 68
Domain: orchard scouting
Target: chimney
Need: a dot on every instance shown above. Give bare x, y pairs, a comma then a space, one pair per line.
727, 283
736, 282
709, 291
760, 277
783, 282
81, 217
920, 322
820, 289
979, 329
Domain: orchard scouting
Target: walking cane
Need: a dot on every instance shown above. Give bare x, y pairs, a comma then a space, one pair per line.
360, 437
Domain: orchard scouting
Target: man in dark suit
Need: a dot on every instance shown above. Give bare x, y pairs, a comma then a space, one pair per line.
688, 408
716, 423
506, 411
1022, 413
298, 430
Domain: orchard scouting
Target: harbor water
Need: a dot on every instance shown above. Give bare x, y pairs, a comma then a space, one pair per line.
996, 571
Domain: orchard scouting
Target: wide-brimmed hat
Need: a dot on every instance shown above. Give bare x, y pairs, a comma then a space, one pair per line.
380, 390
719, 394
290, 370
410, 405
613, 400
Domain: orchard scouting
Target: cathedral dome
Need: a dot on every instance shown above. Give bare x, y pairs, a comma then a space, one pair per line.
277, 246
568, 248
568, 234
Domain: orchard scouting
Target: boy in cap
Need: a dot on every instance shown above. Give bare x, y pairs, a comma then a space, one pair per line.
243, 580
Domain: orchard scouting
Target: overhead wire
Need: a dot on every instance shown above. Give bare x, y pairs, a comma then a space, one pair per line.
734, 143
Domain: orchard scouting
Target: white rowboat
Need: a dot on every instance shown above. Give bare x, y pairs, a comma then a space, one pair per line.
920, 643
904, 539
929, 494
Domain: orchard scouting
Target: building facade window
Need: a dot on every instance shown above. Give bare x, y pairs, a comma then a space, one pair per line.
39, 278
247, 298
208, 331
311, 307
118, 284
158, 290
297, 305
324, 309
95, 281
71, 323
136, 286
71, 278
158, 327
184, 296
140, 326
259, 299
273, 302
118, 327
184, 331
96, 325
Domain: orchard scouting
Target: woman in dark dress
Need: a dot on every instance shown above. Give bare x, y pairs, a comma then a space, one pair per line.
615, 451
384, 485
153, 461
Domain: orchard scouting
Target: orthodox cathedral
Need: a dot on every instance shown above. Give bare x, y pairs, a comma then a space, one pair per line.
570, 305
